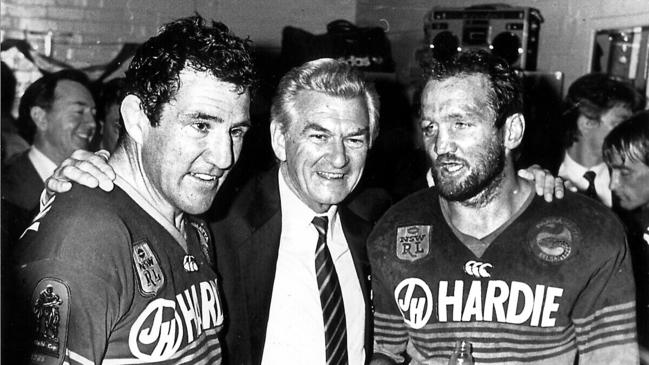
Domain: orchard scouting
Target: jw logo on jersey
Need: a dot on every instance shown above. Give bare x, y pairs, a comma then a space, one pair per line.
162, 326
413, 242
492, 301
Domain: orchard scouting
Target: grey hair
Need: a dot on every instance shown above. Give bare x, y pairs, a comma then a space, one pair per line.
331, 77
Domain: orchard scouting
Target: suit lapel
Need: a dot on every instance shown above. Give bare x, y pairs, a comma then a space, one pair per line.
258, 256
356, 231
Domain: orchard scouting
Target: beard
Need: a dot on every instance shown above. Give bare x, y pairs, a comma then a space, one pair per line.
484, 177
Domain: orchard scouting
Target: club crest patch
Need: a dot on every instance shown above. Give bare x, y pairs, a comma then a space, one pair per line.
413, 242
148, 269
204, 239
51, 307
553, 239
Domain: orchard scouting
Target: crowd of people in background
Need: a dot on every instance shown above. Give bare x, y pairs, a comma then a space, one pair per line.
352, 227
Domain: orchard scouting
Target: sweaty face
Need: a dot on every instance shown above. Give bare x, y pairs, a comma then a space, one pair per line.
324, 147
630, 182
466, 149
199, 138
70, 120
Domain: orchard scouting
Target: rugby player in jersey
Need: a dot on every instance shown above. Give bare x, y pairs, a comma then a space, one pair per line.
481, 258
132, 269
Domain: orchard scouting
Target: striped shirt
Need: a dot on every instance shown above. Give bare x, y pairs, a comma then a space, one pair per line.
553, 284
107, 281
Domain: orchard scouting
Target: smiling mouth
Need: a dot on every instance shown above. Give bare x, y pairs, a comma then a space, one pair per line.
204, 177
84, 136
330, 175
450, 167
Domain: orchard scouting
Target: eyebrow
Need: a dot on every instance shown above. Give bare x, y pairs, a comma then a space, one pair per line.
82, 103
361, 131
217, 119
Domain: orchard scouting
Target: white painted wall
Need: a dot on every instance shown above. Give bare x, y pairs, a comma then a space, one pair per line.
566, 34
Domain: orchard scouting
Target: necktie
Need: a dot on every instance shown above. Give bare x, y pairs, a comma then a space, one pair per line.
331, 298
590, 191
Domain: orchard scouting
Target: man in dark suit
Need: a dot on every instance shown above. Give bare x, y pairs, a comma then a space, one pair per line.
62, 109
595, 104
323, 121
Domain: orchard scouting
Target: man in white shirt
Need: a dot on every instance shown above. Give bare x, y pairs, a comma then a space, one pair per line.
595, 104
324, 119
62, 109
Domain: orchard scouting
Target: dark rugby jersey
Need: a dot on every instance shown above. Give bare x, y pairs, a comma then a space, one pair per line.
109, 284
555, 283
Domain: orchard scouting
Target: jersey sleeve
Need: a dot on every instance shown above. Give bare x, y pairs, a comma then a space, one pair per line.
605, 314
71, 275
390, 332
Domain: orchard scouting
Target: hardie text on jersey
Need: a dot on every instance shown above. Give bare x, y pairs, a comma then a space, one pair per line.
492, 301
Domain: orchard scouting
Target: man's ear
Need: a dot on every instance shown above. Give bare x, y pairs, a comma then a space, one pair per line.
586, 124
278, 140
514, 130
38, 116
136, 123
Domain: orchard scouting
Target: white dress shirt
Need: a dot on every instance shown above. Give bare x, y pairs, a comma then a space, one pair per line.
44, 166
571, 170
295, 332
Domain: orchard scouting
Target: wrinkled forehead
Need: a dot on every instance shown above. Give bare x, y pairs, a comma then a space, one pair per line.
459, 91
203, 92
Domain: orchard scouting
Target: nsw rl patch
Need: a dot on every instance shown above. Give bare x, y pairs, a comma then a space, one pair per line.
413, 242
51, 307
148, 269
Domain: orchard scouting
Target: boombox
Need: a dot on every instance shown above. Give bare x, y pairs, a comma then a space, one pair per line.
509, 32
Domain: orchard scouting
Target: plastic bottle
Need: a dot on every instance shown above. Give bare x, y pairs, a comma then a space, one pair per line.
462, 354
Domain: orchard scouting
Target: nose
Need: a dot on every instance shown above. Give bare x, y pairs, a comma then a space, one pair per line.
442, 142
338, 154
219, 151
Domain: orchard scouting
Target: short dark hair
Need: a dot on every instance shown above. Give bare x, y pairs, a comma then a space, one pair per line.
505, 96
330, 77
629, 140
41, 93
111, 93
154, 73
592, 95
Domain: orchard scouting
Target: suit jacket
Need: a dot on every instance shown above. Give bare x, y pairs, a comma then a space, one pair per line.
247, 246
21, 184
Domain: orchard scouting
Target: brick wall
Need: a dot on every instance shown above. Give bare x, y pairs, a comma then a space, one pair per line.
91, 32
87, 32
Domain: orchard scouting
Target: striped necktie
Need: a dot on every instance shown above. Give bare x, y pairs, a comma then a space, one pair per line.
331, 298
